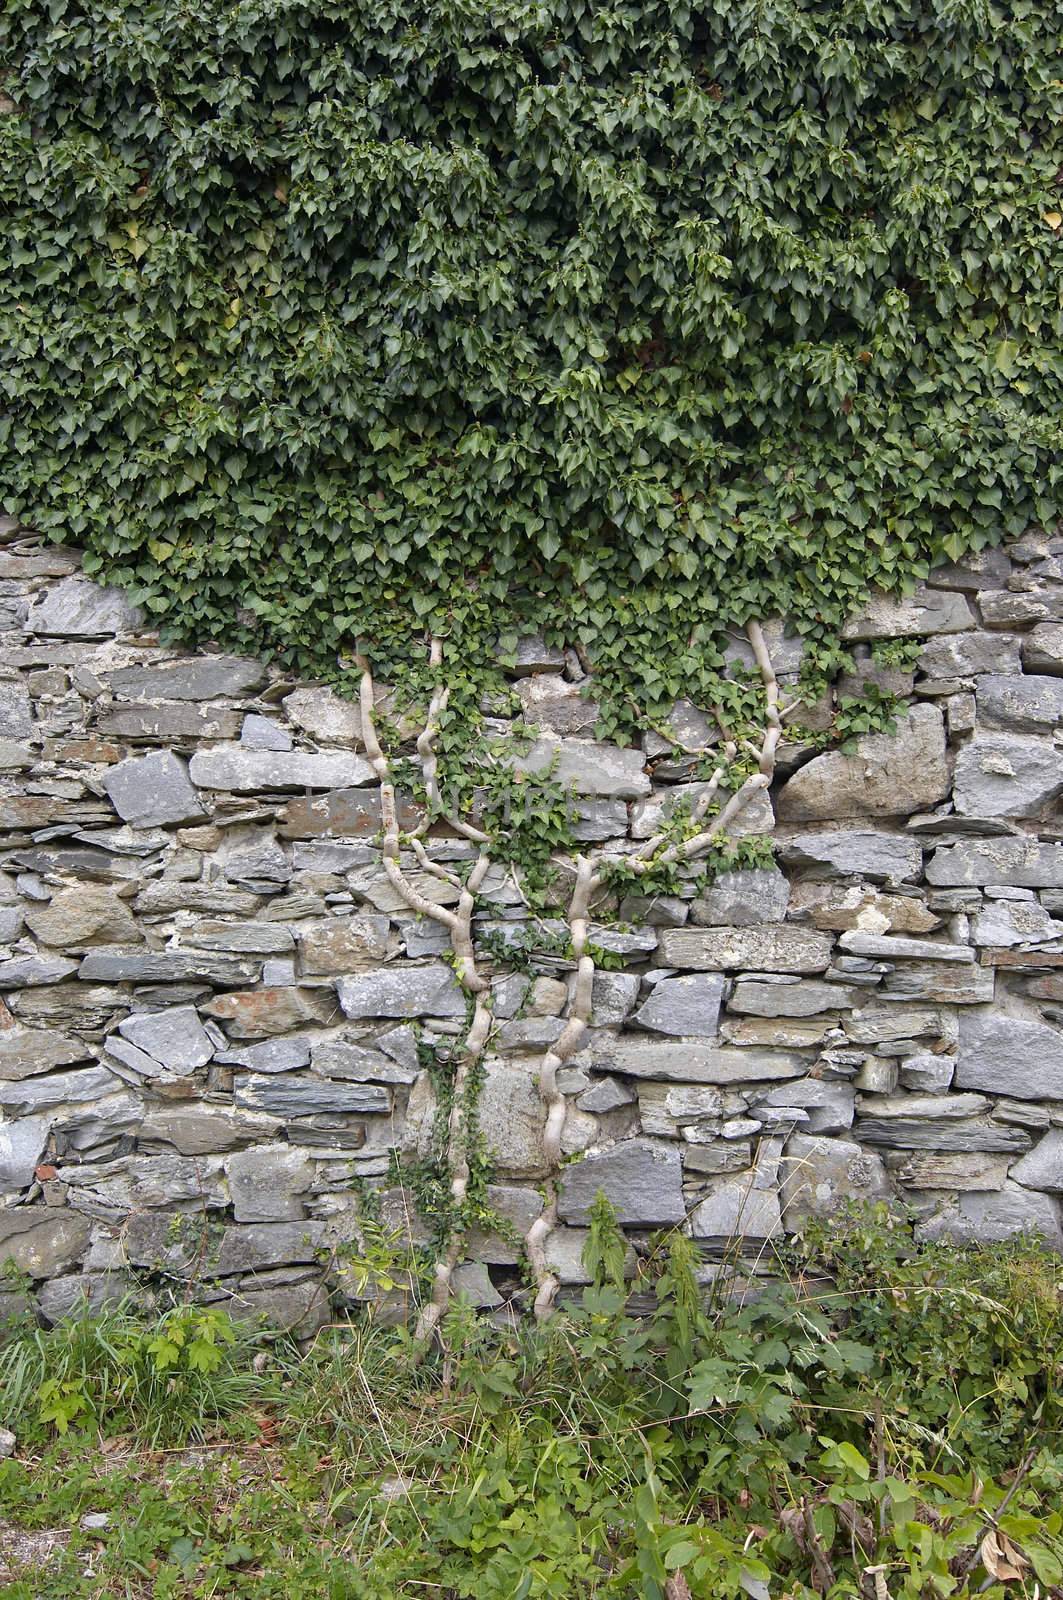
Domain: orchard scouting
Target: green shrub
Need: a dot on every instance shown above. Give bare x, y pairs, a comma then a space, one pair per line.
170, 1379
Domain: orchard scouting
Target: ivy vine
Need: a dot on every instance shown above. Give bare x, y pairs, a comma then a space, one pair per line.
328, 324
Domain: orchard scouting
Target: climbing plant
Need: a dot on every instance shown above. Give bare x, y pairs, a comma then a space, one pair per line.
631, 321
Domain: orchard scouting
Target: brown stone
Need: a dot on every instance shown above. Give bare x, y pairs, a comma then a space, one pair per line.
86, 749
339, 814
342, 945
261, 1013
1023, 960
74, 919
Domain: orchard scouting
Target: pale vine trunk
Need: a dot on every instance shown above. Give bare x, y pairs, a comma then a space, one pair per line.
655, 853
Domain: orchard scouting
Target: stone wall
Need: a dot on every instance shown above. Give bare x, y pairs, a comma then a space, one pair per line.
208, 1051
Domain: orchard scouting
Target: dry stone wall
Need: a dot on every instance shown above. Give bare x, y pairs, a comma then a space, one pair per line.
213, 996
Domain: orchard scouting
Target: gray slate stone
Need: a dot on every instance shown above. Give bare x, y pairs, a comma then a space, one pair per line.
641, 1178
56, 1090
737, 1208
595, 769
818, 1176
889, 775
175, 1038
201, 678
16, 711
30, 972
884, 946
199, 1130
302, 1094
976, 1169
688, 1006
244, 771
829, 1105
512, 1116
1006, 923
1043, 1167
928, 1073
672, 1062
1006, 775
1042, 650
324, 715
263, 733
1007, 1056
800, 997
343, 1058
885, 857
988, 1218
75, 608
166, 723
781, 948
148, 791
285, 1054
925, 612
27, 1051
267, 1184
1020, 704
117, 965
915, 1133
403, 989
21, 1146
43, 1241
1023, 863
744, 899
963, 655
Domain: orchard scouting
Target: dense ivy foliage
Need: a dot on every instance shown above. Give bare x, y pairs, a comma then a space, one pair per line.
634, 319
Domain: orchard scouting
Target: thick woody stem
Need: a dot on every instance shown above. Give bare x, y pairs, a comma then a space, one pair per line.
459, 926
579, 1015
649, 856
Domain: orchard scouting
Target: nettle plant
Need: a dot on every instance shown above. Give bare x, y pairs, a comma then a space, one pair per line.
333, 330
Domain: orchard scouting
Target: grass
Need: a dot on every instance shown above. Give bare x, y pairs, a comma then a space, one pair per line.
800, 1446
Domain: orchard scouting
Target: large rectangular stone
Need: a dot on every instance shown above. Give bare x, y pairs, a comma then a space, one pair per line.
674, 1062
1021, 862
244, 771
773, 948
1009, 1056
302, 1094
641, 1178
885, 947
403, 989
594, 769
136, 965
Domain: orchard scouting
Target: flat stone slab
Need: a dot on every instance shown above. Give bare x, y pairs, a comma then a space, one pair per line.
153, 790
693, 1061
889, 775
403, 989
175, 1038
684, 1006
1027, 703
1007, 775
927, 611
116, 965
641, 1178
884, 947
774, 948
302, 1094
244, 771
207, 677
76, 608
742, 899
594, 769
1023, 863
1008, 1056
861, 852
